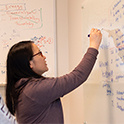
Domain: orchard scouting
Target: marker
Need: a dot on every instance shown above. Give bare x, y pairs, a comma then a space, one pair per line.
89, 34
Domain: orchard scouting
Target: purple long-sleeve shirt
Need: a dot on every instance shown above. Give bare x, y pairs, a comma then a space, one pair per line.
39, 102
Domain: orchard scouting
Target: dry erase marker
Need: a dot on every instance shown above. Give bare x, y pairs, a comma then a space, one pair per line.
89, 34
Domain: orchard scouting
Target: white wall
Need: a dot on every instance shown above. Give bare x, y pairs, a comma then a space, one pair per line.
75, 55
62, 49
69, 37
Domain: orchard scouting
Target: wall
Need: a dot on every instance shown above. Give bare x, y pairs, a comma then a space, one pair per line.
75, 55
69, 37
62, 49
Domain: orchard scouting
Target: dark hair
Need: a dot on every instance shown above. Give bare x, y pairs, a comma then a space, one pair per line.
18, 67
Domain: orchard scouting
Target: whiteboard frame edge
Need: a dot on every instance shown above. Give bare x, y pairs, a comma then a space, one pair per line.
55, 37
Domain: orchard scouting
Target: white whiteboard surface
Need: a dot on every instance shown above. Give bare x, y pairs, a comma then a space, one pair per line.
104, 90
28, 20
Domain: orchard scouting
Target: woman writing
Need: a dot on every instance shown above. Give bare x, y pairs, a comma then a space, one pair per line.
34, 98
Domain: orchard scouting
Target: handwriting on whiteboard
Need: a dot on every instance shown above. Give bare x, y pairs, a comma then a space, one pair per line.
117, 12
18, 13
42, 41
112, 66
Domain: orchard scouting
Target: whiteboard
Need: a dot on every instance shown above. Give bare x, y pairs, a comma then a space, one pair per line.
28, 20
103, 97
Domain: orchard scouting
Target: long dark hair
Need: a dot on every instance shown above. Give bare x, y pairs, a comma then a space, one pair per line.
18, 67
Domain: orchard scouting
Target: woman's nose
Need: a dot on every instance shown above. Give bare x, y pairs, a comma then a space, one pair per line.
44, 57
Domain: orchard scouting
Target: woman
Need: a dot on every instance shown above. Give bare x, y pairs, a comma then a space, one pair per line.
34, 98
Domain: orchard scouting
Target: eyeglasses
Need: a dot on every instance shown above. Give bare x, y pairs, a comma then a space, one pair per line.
38, 53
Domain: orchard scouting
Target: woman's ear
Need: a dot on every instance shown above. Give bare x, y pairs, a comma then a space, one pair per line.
31, 64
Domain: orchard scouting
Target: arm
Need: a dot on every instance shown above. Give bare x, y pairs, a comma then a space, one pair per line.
51, 89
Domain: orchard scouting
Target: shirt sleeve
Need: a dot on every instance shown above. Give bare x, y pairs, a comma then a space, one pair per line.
51, 89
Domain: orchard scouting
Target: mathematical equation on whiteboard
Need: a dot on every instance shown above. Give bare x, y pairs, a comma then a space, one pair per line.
112, 65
